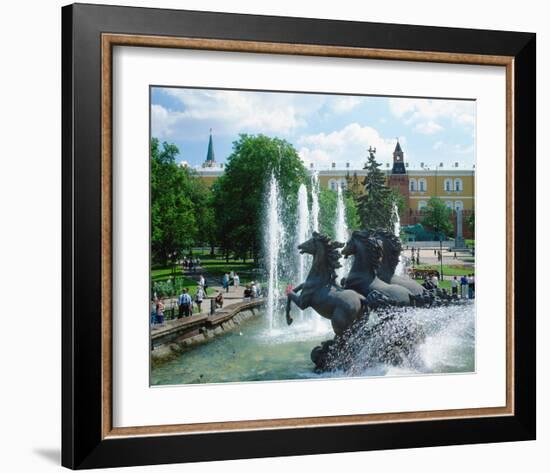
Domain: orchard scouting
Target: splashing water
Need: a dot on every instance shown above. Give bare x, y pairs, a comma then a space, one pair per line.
302, 231
253, 352
274, 241
341, 232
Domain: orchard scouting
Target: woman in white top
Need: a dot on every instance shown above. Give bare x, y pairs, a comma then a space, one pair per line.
199, 297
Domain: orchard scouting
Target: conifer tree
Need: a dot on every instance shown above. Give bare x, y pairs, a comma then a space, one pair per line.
376, 204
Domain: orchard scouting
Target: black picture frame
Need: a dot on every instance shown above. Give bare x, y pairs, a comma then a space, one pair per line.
83, 445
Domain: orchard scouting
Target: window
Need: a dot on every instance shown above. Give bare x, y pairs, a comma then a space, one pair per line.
448, 185
449, 204
332, 184
422, 186
412, 185
344, 183
422, 204
458, 185
459, 205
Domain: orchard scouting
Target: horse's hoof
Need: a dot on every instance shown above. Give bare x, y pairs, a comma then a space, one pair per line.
289, 320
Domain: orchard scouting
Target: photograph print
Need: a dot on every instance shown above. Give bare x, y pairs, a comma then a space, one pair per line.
303, 236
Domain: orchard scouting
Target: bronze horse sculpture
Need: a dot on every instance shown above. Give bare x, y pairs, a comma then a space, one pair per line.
320, 291
367, 250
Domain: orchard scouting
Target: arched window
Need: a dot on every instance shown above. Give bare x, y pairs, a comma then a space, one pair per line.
332, 184
422, 204
459, 205
344, 183
458, 185
412, 185
448, 185
422, 185
449, 204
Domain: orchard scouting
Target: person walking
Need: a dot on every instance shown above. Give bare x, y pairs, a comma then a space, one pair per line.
202, 283
454, 287
199, 297
184, 304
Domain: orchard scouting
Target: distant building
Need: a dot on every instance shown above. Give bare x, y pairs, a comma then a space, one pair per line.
451, 182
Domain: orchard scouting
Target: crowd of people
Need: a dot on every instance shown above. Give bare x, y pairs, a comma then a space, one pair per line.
186, 304
466, 286
190, 264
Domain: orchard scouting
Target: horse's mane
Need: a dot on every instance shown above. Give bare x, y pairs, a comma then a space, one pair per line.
391, 246
373, 245
332, 253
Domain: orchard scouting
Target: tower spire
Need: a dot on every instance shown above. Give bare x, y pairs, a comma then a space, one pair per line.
210, 157
398, 160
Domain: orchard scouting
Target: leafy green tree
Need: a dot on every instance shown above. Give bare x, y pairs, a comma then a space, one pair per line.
376, 204
438, 217
179, 205
328, 201
239, 194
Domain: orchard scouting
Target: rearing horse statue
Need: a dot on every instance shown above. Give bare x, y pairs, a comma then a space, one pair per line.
391, 250
320, 291
367, 252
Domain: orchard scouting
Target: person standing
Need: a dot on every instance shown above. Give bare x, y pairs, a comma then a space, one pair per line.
184, 304
470, 286
160, 312
154, 311
225, 282
202, 283
199, 297
236, 281
464, 287
454, 287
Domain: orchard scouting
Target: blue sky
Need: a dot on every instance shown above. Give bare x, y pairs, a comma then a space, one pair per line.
322, 128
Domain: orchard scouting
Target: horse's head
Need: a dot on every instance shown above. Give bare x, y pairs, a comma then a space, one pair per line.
350, 248
324, 250
318, 242
366, 243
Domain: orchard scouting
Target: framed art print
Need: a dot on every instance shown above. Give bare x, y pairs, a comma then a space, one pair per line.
290, 236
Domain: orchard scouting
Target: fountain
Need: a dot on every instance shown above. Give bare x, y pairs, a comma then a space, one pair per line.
400, 269
302, 232
274, 241
437, 337
315, 189
341, 232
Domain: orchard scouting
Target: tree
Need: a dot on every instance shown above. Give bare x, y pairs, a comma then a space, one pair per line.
438, 217
376, 204
327, 212
353, 188
179, 205
239, 194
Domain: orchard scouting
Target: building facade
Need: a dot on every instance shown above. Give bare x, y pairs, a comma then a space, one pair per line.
452, 182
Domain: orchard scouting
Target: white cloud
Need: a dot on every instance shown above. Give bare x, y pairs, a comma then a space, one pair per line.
238, 112
349, 144
344, 104
426, 115
428, 128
